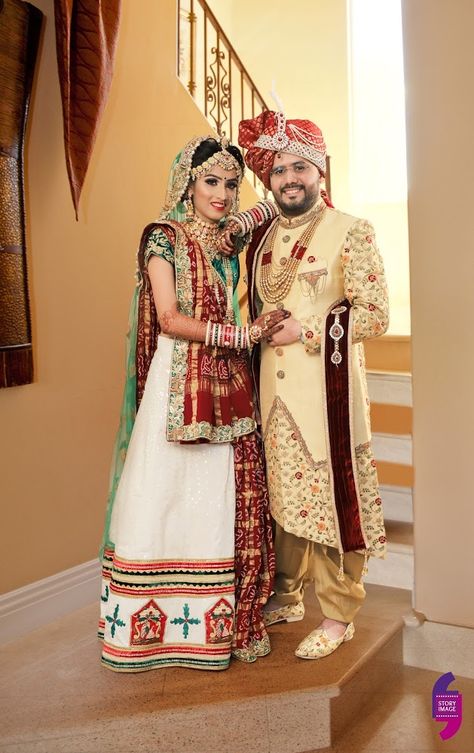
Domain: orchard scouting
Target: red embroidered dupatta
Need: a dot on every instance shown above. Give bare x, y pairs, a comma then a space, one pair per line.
211, 393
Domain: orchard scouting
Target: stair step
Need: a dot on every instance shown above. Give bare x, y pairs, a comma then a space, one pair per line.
389, 352
397, 503
391, 419
397, 569
280, 704
400, 535
389, 387
392, 448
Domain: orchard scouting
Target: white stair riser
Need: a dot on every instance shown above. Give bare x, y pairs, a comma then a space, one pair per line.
397, 503
396, 570
389, 388
392, 448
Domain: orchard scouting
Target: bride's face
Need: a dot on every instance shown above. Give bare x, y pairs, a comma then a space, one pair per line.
213, 194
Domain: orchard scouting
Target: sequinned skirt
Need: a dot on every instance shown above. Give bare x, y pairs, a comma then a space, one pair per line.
168, 590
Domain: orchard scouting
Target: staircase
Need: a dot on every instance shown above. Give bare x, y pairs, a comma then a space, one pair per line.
213, 73
280, 704
389, 382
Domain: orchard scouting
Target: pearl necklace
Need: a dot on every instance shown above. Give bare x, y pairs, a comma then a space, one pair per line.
277, 281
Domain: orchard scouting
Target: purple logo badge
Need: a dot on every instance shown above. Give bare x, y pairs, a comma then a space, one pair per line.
447, 706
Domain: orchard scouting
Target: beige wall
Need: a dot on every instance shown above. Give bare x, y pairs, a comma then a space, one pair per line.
57, 434
305, 51
440, 112
303, 48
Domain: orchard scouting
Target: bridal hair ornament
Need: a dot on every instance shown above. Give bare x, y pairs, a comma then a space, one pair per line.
224, 159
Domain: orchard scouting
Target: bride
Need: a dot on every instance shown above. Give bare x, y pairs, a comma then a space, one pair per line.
187, 551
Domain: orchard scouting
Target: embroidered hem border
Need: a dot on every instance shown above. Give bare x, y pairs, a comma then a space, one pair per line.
204, 430
146, 586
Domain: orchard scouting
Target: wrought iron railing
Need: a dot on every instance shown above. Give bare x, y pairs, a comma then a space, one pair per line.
215, 76
212, 71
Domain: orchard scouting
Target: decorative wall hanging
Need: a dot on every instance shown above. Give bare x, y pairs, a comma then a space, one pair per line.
86, 35
20, 25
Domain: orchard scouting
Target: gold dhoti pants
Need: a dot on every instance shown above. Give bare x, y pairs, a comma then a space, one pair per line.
300, 561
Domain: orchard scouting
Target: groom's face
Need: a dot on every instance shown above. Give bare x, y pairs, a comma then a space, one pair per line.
294, 183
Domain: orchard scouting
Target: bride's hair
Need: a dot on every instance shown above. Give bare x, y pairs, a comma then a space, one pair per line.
209, 147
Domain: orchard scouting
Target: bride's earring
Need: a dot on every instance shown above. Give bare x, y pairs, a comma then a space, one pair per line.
235, 201
188, 203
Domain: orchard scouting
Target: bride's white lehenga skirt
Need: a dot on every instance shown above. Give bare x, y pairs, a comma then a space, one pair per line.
168, 584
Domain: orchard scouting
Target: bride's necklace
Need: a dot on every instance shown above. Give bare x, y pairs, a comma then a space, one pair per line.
276, 281
208, 235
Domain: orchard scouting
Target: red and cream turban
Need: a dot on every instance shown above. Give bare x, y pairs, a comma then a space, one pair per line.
271, 132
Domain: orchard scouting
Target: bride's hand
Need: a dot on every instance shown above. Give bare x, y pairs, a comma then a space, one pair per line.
266, 325
227, 239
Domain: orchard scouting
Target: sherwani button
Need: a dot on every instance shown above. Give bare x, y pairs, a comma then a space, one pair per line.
279, 351
280, 374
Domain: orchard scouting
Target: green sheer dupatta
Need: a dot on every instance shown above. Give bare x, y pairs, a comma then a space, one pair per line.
127, 419
177, 212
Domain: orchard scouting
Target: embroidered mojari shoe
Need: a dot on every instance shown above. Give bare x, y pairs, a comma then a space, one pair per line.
261, 647
288, 613
244, 654
318, 643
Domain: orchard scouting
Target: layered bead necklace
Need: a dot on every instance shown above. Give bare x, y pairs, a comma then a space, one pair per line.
276, 281
207, 235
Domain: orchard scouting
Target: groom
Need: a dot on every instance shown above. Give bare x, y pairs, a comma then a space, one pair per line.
324, 267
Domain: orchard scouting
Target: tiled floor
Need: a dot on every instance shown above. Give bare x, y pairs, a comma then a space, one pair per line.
399, 719
56, 698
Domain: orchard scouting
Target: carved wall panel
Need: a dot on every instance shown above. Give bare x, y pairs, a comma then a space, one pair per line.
20, 25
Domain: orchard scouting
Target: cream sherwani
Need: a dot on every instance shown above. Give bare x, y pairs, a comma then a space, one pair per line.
341, 261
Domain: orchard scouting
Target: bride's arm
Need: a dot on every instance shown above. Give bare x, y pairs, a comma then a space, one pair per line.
175, 324
240, 226
172, 322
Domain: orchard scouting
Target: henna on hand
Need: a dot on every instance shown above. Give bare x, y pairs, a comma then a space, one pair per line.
288, 333
266, 324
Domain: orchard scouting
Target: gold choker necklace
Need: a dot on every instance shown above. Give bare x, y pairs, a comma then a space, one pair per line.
206, 233
302, 219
